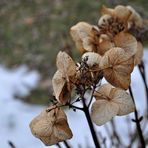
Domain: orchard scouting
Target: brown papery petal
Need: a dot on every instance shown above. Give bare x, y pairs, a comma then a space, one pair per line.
65, 64
103, 111
62, 130
51, 132
79, 32
139, 54
117, 67
134, 18
103, 21
60, 87
104, 45
42, 124
122, 13
103, 92
126, 41
88, 44
124, 101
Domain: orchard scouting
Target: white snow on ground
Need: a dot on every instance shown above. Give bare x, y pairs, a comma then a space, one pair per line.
15, 115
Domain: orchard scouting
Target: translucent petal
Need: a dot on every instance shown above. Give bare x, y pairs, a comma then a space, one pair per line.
103, 111
124, 101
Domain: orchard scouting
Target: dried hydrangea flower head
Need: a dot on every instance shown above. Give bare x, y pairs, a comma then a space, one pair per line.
62, 79
121, 18
114, 20
110, 102
89, 38
51, 126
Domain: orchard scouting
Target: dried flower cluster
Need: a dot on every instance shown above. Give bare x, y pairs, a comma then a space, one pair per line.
109, 51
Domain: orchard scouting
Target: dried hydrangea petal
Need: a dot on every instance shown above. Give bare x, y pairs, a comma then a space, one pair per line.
122, 12
103, 111
56, 128
103, 92
105, 44
110, 102
124, 101
127, 42
134, 19
79, 33
65, 64
58, 83
117, 67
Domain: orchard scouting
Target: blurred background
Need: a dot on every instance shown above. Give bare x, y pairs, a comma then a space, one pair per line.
31, 34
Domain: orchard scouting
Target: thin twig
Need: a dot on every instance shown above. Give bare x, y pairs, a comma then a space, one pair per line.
75, 107
66, 144
142, 72
137, 121
58, 145
94, 87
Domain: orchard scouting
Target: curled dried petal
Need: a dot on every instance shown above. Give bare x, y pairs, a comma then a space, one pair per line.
79, 33
62, 89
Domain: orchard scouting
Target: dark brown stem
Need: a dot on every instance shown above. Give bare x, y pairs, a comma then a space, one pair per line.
93, 133
75, 107
142, 72
91, 96
137, 121
66, 144
58, 145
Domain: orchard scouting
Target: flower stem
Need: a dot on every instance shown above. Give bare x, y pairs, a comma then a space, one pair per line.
137, 121
142, 72
93, 133
66, 144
